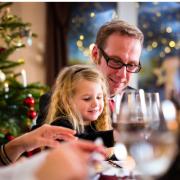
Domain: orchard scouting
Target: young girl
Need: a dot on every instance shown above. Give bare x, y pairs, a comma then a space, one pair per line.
79, 101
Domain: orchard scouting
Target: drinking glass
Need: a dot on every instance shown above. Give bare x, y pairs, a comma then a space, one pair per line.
142, 134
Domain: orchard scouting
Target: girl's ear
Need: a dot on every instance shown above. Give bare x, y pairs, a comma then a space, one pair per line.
95, 54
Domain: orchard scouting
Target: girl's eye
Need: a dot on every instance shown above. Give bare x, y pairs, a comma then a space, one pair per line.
99, 97
86, 99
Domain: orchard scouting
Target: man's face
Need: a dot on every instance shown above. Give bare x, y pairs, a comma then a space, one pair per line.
125, 49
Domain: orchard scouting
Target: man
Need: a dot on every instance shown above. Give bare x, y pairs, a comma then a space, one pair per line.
116, 53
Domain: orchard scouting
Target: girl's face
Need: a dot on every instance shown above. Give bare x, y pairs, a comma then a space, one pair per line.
88, 100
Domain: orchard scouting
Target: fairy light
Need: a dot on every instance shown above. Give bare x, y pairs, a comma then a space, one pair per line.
158, 14
20, 60
19, 43
92, 14
167, 49
79, 43
6, 87
168, 29
6, 90
154, 44
2, 76
172, 44
81, 37
24, 78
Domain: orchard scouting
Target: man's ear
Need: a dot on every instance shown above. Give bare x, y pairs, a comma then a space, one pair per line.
95, 54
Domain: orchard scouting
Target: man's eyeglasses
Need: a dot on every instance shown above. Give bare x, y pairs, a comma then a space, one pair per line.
116, 63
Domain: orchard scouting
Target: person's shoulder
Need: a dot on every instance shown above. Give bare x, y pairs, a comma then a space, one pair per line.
46, 96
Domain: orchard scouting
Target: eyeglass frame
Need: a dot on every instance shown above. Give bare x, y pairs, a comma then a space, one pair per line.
107, 58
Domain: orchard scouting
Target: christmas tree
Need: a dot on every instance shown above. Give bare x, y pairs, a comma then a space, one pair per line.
18, 100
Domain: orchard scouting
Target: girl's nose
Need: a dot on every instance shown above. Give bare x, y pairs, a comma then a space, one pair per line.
94, 103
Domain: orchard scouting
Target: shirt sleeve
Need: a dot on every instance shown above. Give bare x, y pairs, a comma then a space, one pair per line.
23, 170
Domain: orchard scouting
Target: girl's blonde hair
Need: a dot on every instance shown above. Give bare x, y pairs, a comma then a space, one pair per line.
61, 103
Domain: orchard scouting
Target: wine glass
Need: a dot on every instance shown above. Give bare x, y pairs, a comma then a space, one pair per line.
143, 134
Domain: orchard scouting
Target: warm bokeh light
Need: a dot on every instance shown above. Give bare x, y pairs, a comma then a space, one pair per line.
154, 44
172, 44
81, 37
79, 43
168, 29
92, 14
167, 50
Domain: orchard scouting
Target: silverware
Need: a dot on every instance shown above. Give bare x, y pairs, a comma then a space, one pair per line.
114, 164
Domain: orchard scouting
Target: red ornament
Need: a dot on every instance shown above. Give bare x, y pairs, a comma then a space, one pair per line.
9, 137
2, 49
29, 101
31, 114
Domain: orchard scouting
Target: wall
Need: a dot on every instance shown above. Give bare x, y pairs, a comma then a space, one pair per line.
128, 11
35, 13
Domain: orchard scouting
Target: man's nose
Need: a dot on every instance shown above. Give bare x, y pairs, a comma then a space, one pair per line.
122, 72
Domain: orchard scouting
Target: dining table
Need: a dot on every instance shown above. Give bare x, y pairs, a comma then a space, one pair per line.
117, 170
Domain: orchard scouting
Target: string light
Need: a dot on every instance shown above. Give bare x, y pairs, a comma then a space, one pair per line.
81, 37
167, 49
168, 29
6, 87
92, 14
79, 43
20, 60
154, 44
172, 44
158, 14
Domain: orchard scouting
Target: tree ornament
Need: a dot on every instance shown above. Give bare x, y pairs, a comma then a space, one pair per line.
31, 114
9, 137
2, 49
29, 101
